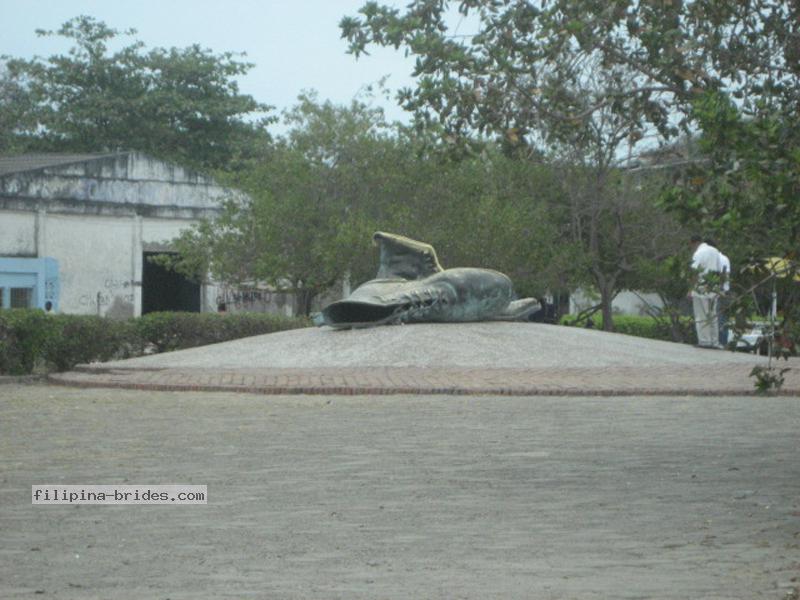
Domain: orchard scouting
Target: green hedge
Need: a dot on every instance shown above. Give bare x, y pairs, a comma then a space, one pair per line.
646, 327
168, 331
31, 340
77, 339
24, 335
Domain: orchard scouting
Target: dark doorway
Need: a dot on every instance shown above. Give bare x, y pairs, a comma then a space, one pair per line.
163, 289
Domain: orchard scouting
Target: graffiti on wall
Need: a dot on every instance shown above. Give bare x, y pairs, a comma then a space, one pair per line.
251, 299
113, 289
115, 284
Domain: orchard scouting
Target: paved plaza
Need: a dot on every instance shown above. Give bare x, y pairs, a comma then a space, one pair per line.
403, 496
529, 462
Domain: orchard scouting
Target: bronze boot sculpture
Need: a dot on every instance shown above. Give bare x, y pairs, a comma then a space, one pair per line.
412, 287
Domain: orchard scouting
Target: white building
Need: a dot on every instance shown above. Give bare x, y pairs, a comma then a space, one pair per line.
96, 218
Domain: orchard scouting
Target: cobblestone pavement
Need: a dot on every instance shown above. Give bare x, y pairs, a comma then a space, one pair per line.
378, 497
709, 379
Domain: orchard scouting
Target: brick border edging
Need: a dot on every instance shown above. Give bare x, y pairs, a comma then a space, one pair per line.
390, 390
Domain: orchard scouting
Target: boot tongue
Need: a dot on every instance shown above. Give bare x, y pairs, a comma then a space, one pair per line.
404, 258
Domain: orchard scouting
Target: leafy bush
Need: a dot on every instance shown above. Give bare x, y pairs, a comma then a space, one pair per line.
77, 339
646, 327
649, 327
9, 358
168, 331
24, 336
31, 339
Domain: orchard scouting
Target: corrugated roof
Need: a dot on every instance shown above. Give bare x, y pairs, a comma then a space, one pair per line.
31, 162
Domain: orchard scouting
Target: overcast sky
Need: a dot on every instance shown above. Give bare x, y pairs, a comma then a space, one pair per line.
294, 44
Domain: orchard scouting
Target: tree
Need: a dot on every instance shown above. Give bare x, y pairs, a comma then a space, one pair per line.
617, 229
13, 107
340, 174
495, 212
178, 104
524, 72
744, 190
551, 72
511, 80
304, 224
519, 63
614, 218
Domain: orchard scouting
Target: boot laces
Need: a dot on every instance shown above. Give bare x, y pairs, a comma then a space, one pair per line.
416, 304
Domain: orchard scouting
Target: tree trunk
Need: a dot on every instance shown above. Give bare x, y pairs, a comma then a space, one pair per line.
303, 300
606, 286
606, 298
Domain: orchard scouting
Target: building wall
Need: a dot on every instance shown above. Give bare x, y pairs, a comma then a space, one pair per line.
625, 303
129, 178
99, 216
254, 299
96, 218
101, 259
95, 257
18, 234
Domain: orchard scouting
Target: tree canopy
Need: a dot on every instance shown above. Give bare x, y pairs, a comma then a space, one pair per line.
520, 63
181, 104
340, 173
605, 80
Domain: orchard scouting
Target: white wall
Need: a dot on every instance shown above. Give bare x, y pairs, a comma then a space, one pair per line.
87, 216
100, 261
17, 234
161, 231
95, 258
626, 302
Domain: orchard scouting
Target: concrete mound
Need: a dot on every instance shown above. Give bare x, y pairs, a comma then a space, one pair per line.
468, 358
472, 345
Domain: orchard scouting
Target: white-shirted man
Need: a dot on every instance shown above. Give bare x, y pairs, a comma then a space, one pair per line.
724, 298
705, 295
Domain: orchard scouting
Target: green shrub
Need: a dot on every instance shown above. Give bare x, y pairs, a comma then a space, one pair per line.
640, 326
31, 339
24, 335
168, 331
235, 326
9, 357
78, 339
646, 327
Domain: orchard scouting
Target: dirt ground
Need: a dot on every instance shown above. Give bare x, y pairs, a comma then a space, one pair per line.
402, 496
